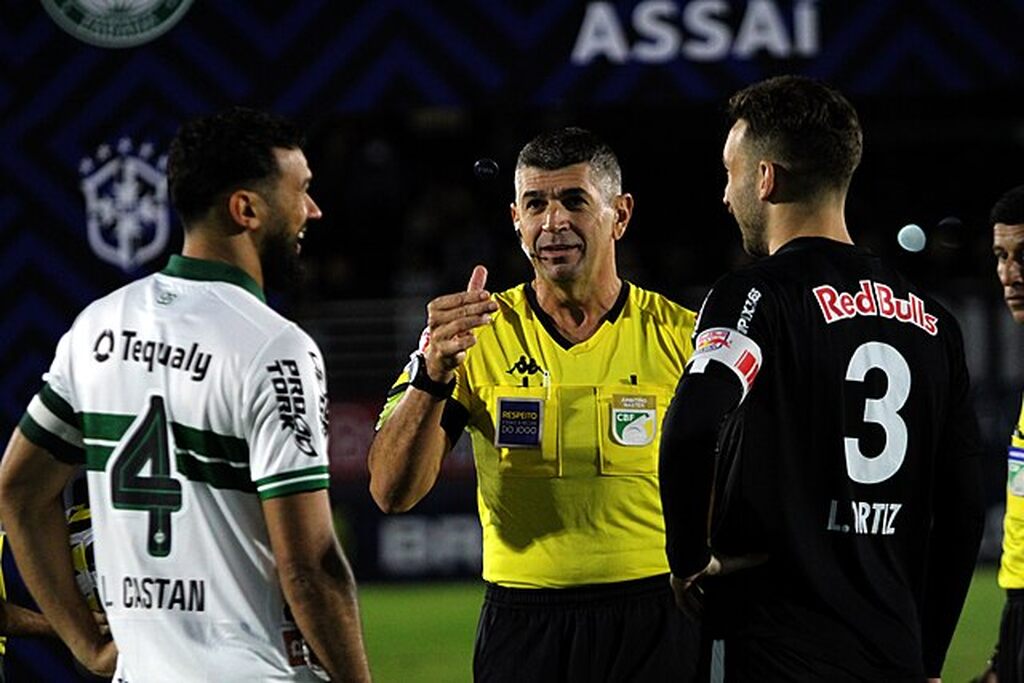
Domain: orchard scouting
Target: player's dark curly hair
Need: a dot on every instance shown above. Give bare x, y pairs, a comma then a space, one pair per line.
805, 126
557, 149
211, 156
1009, 209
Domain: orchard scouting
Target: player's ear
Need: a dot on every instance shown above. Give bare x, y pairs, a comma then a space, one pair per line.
766, 179
245, 209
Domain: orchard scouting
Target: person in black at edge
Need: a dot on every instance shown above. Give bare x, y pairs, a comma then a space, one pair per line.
826, 405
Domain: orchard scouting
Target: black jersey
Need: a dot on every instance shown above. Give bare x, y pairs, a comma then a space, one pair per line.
855, 408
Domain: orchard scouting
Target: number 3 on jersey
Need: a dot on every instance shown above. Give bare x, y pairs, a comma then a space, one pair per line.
158, 492
882, 411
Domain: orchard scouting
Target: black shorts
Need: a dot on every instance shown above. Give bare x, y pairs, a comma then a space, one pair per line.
628, 631
1010, 651
757, 660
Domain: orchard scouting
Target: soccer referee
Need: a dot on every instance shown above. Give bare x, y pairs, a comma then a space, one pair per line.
563, 383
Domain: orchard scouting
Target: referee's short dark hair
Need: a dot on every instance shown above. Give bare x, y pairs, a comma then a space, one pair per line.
557, 149
212, 156
804, 125
1009, 209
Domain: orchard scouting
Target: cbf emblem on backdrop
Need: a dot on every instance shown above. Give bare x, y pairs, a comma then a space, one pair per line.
126, 203
116, 23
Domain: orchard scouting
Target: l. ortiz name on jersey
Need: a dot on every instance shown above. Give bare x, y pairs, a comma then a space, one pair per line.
874, 299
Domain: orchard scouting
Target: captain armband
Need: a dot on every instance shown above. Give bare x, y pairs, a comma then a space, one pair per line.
735, 350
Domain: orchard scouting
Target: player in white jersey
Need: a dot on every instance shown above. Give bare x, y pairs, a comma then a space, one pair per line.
200, 416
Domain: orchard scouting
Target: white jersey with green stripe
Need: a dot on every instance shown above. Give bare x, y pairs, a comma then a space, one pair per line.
189, 401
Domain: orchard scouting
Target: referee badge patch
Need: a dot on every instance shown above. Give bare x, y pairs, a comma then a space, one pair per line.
633, 419
519, 422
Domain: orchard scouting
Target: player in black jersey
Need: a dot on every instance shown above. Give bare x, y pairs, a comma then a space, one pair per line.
826, 408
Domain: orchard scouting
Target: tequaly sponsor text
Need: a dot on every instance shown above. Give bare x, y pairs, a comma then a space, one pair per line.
874, 299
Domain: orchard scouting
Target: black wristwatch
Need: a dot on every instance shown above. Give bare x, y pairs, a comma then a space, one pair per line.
420, 378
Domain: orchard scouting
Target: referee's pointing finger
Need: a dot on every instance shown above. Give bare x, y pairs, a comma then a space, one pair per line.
477, 280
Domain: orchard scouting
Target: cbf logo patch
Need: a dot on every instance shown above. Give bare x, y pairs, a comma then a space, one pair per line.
1015, 481
634, 420
126, 203
519, 423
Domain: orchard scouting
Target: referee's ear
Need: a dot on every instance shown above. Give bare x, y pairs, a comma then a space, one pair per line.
623, 207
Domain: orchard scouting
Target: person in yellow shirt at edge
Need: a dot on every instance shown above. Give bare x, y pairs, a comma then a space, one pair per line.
562, 383
1007, 665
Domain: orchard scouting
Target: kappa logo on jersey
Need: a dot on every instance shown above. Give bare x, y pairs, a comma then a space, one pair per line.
749, 306
104, 346
151, 353
126, 203
874, 299
291, 402
525, 366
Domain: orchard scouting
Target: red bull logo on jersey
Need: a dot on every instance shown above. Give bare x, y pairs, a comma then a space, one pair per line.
874, 299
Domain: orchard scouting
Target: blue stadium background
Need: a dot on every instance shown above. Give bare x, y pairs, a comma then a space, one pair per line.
401, 96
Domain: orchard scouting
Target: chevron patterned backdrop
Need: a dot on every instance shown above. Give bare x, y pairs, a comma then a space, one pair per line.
62, 100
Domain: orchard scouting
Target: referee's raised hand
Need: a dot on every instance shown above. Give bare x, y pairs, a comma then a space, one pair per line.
451, 320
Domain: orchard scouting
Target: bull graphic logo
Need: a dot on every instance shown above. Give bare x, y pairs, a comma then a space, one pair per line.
126, 203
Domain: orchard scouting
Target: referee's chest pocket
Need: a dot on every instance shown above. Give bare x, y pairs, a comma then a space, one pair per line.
629, 421
525, 431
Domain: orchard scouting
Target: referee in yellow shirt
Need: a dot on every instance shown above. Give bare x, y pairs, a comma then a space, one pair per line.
562, 383
1008, 246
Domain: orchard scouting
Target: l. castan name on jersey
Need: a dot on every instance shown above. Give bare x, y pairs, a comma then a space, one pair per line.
157, 592
151, 353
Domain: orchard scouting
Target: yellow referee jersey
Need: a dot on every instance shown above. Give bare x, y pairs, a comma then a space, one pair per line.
565, 439
1011, 566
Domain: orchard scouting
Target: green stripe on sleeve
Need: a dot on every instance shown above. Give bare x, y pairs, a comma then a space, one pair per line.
313, 483
58, 406
296, 481
57, 447
275, 478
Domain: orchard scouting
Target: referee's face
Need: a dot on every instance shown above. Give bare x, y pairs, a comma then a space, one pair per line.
567, 221
1008, 247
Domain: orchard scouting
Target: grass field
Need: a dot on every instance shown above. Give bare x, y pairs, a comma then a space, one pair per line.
423, 633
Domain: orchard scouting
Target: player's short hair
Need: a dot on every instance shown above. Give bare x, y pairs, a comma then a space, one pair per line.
806, 126
557, 149
1009, 209
216, 154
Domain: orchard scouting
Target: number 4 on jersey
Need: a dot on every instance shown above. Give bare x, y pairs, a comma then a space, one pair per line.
158, 492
